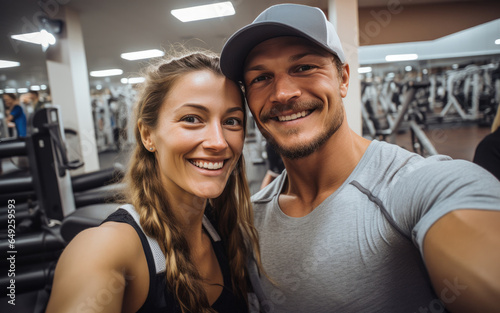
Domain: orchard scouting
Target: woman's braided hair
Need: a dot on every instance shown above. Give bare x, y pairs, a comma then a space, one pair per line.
232, 209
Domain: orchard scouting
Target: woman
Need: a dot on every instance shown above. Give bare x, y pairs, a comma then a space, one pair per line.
487, 152
186, 188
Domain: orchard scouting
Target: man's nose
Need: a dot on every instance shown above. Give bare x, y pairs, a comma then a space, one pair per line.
285, 89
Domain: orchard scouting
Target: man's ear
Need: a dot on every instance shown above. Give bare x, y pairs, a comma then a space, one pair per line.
146, 136
344, 80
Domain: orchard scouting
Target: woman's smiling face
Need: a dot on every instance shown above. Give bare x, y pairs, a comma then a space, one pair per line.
199, 136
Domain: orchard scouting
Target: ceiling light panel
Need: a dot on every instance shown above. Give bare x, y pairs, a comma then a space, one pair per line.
145, 54
401, 57
42, 37
6, 64
203, 12
105, 73
366, 69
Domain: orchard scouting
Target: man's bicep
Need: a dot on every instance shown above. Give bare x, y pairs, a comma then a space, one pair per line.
461, 253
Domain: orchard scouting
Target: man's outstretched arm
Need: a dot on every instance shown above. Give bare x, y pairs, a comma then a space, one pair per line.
462, 255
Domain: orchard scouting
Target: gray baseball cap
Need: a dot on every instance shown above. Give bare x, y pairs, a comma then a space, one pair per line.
276, 21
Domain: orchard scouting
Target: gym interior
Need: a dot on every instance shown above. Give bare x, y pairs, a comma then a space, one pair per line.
426, 77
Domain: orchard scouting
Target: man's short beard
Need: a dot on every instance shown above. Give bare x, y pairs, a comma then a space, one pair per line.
308, 148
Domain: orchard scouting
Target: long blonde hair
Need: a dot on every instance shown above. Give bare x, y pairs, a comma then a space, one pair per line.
232, 209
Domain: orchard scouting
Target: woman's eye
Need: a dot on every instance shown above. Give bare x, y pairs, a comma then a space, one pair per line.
191, 119
233, 122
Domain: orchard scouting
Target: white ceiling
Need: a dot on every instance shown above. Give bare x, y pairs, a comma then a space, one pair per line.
477, 41
111, 27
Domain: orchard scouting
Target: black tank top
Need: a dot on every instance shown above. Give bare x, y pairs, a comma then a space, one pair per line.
160, 298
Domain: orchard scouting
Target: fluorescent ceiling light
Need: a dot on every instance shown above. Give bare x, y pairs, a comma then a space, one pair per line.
35, 88
43, 87
132, 80
497, 42
203, 12
104, 73
401, 57
6, 64
136, 80
1, 91
146, 54
366, 69
408, 68
10, 90
22, 90
42, 37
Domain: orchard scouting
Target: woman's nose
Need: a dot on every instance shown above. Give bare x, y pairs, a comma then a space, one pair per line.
215, 139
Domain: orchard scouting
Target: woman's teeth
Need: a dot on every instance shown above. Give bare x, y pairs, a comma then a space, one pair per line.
208, 165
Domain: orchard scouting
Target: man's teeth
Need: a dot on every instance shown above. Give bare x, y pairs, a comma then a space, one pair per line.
292, 117
208, 165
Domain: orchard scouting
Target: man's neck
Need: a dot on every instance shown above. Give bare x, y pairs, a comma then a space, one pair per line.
313, 178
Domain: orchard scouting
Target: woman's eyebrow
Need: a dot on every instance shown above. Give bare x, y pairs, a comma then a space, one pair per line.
234, 109
194, 106
205, 109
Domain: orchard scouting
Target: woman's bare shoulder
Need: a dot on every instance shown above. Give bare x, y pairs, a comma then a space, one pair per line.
94, 260
110, 240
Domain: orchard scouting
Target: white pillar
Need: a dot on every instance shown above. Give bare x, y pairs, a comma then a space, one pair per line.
344, 16
69, 85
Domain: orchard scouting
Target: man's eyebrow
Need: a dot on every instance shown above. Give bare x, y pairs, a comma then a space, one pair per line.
293, 58
255, 68
311, 51
297, 57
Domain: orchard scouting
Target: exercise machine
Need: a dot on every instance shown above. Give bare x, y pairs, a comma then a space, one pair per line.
46, 208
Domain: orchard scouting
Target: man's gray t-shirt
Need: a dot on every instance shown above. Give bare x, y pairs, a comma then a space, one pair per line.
360, 250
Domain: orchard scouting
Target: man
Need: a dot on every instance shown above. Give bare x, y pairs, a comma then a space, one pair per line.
35, 100
353, 225
15, 114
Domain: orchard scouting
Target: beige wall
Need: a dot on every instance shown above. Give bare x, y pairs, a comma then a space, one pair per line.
397, 22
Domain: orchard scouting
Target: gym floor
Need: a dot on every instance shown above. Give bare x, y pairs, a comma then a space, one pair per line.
456, 140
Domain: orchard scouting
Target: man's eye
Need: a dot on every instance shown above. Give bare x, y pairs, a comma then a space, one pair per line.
259, 78
190, 119
303, 68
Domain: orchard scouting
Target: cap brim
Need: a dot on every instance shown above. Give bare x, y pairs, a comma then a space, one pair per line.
238, 47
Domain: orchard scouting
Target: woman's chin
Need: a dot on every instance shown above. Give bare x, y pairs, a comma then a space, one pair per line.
209, 193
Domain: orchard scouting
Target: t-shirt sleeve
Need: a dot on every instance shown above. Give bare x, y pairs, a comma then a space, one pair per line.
429, 192
16, 111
